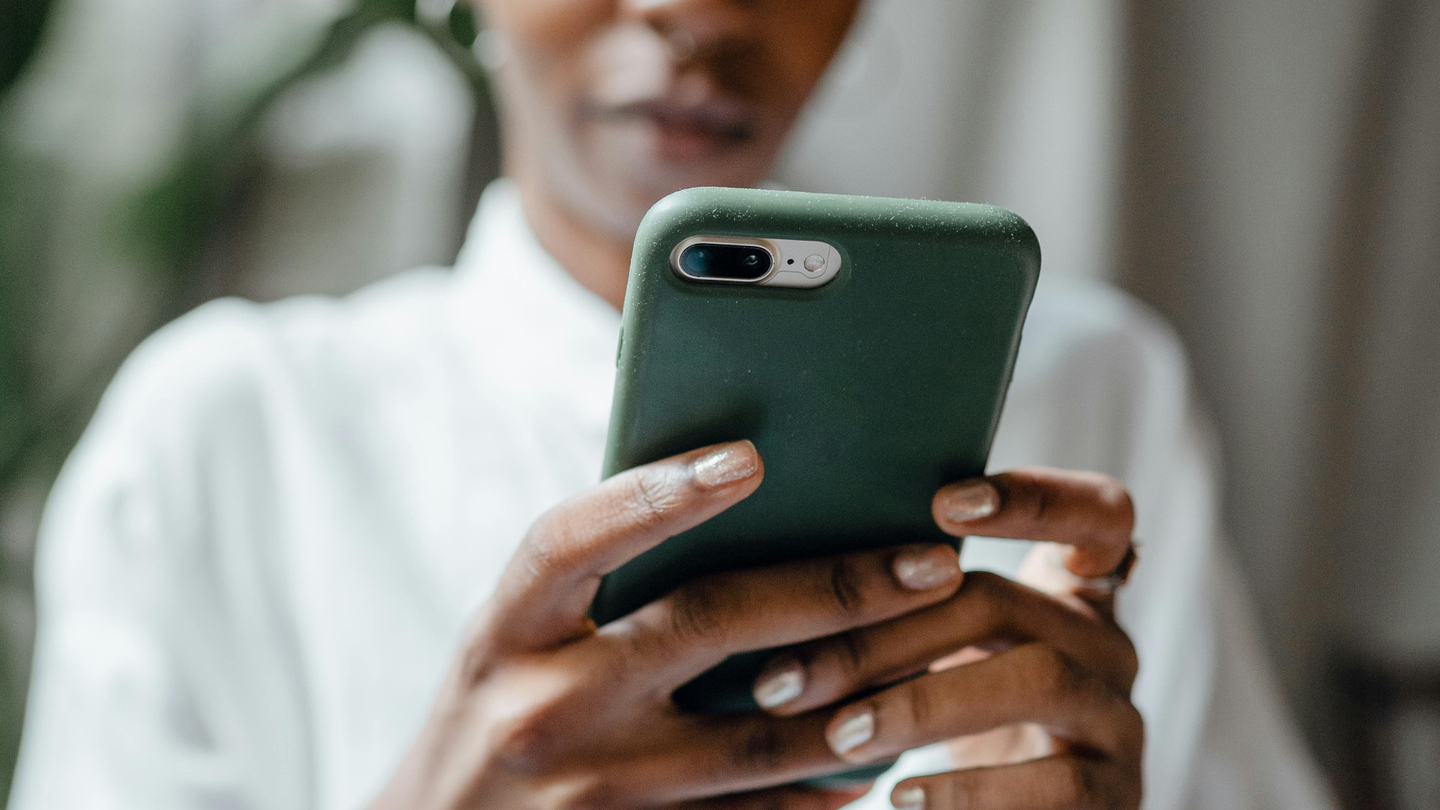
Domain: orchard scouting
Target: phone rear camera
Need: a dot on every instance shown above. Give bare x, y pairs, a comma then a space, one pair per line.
726, 262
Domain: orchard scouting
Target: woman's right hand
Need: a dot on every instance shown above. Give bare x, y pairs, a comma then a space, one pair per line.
542, 709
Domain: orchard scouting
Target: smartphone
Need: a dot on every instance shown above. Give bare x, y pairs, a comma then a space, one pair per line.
863, 344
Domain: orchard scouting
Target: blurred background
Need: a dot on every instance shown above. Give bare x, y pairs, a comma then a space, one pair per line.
1266, 173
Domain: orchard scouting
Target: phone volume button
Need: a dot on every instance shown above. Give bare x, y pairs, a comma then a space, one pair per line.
619, 346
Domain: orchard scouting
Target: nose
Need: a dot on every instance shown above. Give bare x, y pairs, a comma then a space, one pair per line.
695, 29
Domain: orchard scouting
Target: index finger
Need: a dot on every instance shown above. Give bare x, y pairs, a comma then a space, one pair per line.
1089, 511
546, 590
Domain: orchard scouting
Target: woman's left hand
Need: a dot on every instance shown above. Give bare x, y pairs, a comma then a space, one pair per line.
1037, 699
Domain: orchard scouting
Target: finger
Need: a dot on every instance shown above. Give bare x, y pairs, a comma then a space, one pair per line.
547, 588
1046, 569
1053, 783
698, 625
1087, 510
1031, 683
1006, 745
787, 798
728, 754
987, 610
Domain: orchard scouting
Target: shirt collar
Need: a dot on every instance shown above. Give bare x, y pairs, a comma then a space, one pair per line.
501, 249
510, 287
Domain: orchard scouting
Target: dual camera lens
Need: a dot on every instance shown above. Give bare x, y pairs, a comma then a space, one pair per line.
726, 262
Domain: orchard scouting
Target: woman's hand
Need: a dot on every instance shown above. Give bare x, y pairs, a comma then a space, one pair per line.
1039, 694
542, 709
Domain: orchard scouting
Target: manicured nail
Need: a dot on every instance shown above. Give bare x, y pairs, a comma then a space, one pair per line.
780, 684
909, 799
852, 733
733, 462
966, 502
926, 568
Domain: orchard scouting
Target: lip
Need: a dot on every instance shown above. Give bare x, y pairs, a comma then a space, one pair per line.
687, 130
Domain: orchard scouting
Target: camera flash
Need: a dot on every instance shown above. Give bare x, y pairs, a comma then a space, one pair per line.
815, 263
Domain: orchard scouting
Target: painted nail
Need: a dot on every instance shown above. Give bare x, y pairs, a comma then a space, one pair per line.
852, 733
780, 684
967, 502
923, 569
909, 799
734, 462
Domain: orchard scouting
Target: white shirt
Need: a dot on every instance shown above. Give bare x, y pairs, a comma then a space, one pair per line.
256, 567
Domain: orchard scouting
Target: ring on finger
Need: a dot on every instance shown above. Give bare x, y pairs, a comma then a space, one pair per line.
1111, 582
1105, 583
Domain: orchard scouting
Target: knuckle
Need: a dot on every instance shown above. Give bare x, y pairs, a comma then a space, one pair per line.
1116, 515
523, 744
475, 664
1035, 495
844, 586
852, 650
761, 748
634, 647
612, 661
975, 790
919, 705
550, 547
1128, 664
620, 663
1116, 498
534, 541
650, 497
529, 735
1132, 729
990, 600
477, 657
697, 613
1050, 676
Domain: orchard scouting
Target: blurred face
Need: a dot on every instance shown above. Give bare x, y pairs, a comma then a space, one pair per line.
612, 104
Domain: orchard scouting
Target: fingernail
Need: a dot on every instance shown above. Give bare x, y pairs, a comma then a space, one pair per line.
967, 502
734, 462
909, 799
782, 683
852, 733
923, 569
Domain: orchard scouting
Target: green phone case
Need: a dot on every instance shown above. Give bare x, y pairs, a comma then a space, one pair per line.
863, 397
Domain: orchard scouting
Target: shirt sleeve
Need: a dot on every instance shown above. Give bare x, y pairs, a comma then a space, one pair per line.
1217, 732
148, 690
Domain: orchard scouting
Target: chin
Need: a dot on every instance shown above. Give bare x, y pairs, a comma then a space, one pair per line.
664, 164
628, 169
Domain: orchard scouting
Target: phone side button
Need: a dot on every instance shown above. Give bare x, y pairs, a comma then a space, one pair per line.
619, 346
